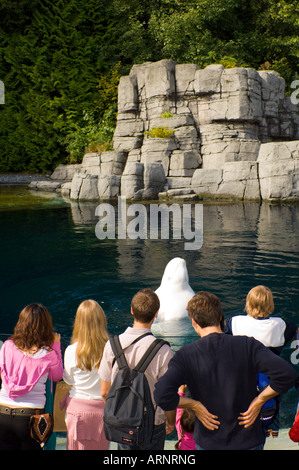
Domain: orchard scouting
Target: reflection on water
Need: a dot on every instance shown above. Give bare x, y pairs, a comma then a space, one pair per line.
177, 333
50, 254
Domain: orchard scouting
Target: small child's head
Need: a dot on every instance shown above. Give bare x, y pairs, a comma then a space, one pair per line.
259, 302
187, 424
188, 420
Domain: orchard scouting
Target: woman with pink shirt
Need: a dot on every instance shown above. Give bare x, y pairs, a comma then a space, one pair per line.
27, 359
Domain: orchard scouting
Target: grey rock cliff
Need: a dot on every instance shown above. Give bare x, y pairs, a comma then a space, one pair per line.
233, 133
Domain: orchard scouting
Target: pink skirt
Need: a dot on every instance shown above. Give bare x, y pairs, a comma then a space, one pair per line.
85, 429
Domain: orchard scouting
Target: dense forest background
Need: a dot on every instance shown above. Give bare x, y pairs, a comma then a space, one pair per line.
60, 62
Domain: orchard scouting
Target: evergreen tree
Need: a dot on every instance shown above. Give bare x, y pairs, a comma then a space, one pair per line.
60, 61
50, 63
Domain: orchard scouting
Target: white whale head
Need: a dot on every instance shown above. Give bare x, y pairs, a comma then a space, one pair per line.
174, 292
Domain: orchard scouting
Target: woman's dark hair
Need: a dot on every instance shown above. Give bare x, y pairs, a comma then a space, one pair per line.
34, 328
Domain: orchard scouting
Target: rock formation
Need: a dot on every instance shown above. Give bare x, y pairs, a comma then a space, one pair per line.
184, 131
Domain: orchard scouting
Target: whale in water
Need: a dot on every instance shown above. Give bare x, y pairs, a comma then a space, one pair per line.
174, 292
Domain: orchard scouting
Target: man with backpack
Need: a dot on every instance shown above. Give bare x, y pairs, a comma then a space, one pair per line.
127, 388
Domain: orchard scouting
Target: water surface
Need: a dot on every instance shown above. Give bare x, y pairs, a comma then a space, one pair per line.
50, 254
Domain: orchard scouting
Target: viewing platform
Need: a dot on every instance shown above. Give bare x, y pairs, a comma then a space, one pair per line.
282, 442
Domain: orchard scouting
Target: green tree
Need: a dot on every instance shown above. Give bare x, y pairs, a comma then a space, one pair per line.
58, 61
94, 132
277, 24
236, 32
50, 65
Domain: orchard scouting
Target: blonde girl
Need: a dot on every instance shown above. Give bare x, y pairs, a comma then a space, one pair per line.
84, 404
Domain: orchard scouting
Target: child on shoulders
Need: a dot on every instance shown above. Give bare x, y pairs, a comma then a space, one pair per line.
272, 332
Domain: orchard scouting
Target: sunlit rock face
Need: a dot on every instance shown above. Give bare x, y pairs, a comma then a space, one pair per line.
204, 130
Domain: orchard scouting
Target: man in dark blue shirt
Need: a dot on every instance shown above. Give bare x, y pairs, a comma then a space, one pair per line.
220, 371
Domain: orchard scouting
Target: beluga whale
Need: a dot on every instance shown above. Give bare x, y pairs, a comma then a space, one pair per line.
174, 294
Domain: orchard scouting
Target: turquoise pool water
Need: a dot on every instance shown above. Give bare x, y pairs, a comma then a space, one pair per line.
50, 254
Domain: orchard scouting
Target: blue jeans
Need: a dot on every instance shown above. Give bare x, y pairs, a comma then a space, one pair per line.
157, 443
259, 447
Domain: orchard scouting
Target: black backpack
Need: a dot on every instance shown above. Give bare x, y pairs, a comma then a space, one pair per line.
129, 414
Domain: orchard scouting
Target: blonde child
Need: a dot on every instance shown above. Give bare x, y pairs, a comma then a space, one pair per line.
273, 332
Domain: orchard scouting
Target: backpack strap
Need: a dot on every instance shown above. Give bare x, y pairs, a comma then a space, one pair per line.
149, 355
118, 351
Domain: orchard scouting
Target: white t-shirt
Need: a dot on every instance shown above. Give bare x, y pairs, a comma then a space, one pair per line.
269, 331
84, 383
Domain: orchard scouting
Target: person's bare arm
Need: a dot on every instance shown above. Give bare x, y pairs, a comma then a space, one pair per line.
247, 418
170, 421
105, 387
208, 420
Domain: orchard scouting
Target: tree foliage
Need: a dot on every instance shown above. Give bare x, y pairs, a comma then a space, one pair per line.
60, 62
50, 63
